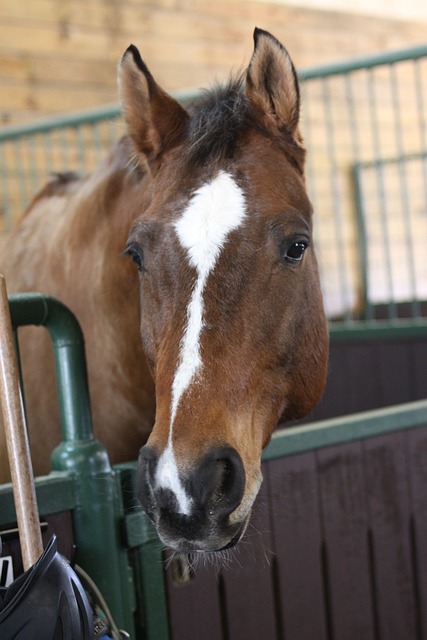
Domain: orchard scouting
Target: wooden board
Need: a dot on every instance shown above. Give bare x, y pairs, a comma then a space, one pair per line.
417, 458
186, 44
386, 477
297, 535
365, 375
349, 602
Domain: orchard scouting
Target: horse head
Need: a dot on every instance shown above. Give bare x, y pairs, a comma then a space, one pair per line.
232, 320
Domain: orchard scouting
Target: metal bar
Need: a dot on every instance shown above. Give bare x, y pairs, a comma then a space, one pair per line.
55, 493
70, 360
404, 192
326, 433
64, 149
5, 197
146, 556
362, 235
32, 167
367, 62
367, 310
336, 201
59, 122
374, 329
382, 193
80, 148
98, 145
48, 146
88, 116
393, 159
24, 190
422, 121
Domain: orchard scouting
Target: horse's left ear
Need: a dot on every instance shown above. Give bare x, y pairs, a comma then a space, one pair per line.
155, 121
272, 83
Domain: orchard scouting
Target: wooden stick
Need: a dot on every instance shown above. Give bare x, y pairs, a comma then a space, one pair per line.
17, 440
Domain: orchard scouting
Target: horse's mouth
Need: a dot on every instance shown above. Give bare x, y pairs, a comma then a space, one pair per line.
236, 538
207, 545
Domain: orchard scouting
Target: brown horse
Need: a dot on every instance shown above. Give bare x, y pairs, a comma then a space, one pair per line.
231, 315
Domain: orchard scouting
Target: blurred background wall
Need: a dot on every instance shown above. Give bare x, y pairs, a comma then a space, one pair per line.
58, 56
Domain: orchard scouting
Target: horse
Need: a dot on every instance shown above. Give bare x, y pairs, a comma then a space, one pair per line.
188, 259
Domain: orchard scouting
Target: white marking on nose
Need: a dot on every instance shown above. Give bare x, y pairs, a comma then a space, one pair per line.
215, 209
167, 477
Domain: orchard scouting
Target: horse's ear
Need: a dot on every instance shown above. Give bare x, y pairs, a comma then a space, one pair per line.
155, 121
272, 83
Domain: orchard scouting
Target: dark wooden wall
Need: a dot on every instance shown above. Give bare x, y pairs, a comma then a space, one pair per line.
368, 373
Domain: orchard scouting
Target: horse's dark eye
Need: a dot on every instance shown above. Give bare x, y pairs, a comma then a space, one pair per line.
135, 254
295, 252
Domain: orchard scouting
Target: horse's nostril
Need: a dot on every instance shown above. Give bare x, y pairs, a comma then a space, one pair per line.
214, 489
144, 488
220, 482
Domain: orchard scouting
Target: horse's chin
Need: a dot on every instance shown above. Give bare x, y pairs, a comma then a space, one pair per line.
214, 543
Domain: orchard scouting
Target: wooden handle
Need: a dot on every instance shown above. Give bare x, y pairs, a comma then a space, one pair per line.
17, 440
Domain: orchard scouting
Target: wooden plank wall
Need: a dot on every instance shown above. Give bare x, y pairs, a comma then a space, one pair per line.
62, 56
367, 374
336, 551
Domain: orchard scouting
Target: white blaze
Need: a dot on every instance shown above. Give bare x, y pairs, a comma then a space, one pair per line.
215, 209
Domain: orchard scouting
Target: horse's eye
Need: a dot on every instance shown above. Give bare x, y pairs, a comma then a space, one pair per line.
135, 253
295, 252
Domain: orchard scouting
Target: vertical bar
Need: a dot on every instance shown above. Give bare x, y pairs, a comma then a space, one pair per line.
80, 147
64, 150
375, 124
404, 192
112, 130
422, 111
6, 204
312, 186
20, 174
145, 554
32, 169
97, 142
363, 249
345, 285
49, 164
422, 122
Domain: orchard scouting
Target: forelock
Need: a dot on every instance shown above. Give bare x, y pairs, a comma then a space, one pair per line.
217, 121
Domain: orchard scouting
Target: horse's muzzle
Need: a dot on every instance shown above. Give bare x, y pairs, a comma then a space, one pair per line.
192, 506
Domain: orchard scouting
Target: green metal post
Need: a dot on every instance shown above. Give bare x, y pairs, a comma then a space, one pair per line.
99, 512
147, 562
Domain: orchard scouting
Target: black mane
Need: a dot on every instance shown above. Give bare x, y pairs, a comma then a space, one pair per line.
217, 120
221, 116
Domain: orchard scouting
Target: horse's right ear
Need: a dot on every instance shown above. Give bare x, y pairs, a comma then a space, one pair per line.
155, 121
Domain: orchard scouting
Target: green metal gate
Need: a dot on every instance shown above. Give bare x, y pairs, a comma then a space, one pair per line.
365, 125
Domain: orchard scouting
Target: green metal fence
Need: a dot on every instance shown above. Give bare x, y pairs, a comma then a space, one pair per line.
366, 132
83, 480
365, 125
